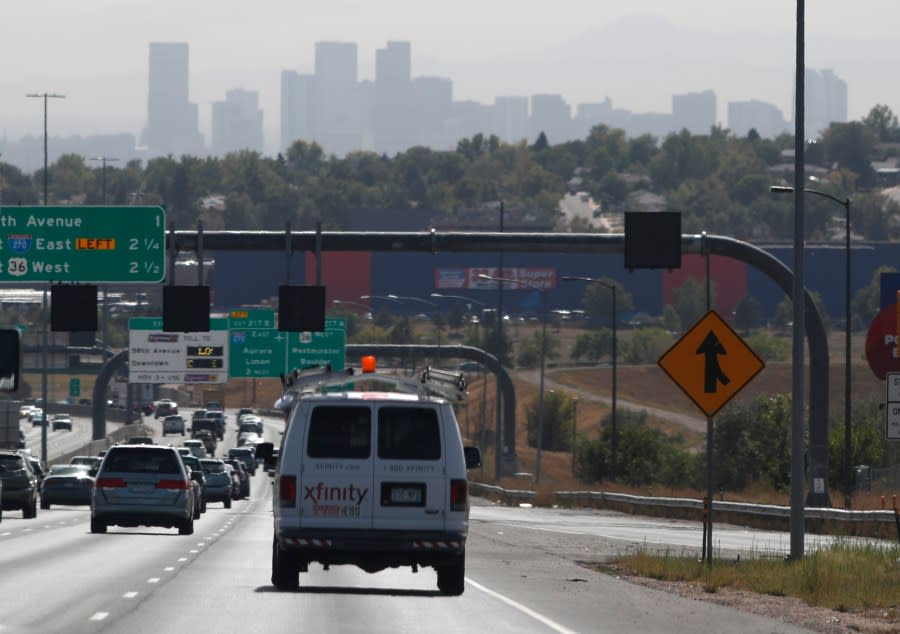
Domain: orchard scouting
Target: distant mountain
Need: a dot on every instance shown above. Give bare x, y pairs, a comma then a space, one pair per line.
641, 61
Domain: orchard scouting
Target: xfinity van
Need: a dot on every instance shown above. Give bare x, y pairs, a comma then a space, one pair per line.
375, 479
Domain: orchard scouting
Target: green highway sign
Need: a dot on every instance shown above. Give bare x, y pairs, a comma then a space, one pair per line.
74, 387
258, 349
82, 244
318, 348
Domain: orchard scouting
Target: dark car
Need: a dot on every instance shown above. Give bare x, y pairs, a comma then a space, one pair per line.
67, 484
247, 455
140, 440
20, 486
142, 485
196, 474
38, 469
243, 476
218, 481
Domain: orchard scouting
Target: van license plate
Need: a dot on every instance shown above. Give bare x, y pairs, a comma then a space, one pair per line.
396, 494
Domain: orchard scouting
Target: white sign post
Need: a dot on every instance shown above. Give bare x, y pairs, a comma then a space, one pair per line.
892, 406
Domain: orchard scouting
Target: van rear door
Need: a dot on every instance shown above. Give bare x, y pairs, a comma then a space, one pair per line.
335, 488
409, 468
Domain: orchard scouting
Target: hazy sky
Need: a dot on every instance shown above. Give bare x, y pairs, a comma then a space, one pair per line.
95, 51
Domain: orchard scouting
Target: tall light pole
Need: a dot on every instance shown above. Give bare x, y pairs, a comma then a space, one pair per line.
848, 456
45, 96
614, 442
469, 301
104, 160
540, 431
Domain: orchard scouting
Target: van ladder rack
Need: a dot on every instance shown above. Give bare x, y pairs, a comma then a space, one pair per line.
430, 382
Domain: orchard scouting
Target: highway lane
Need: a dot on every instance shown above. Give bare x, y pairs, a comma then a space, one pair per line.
59, 577
523, 575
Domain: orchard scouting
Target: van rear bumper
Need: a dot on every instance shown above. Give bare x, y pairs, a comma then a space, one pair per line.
387, 548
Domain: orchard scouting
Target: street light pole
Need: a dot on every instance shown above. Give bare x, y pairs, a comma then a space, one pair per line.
45, 96
540, 433
614, 442
848, 439
104, 160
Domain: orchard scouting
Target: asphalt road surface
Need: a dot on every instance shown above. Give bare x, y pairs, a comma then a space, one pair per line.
525, 573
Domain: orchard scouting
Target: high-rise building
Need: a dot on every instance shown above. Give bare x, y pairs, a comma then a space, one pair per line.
765, 118
825, 101
551, 115
336, 112
393, 98
510, 118
297, 108
237, 123
694, 111
433, 99
172, 121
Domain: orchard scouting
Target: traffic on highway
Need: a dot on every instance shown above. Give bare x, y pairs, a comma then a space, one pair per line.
526, 568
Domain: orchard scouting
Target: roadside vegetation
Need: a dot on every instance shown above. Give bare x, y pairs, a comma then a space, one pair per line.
845, 577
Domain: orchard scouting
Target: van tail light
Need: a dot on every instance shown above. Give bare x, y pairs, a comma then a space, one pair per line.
177, 485
109, 483
287, 491
459, 495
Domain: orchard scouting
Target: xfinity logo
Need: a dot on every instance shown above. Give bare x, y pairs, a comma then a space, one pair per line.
324, 493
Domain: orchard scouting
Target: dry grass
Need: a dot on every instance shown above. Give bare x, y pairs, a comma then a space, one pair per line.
843, 577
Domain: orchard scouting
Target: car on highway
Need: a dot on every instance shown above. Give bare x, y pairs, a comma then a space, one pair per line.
142, 485
246, 455
20, 486
253, 423
61, 421
140, 440
173, 424
235, 479
92, 462
36, 467
196, 446
243, 477
219, 418
38, 418
218, 481
248, 437
25, 410
67, 484
198, 478
244, 411
165, 407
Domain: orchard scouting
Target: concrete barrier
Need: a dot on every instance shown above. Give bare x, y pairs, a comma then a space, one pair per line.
824, 521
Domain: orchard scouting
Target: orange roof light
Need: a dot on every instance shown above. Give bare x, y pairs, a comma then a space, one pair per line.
368, 364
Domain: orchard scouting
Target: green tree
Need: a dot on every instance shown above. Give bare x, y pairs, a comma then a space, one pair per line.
882, 121
851, 145
597, 300
867, 443
647, 345
558, 421
529, 352
593, 345
867, 302
671, 320
690, 300
748, 314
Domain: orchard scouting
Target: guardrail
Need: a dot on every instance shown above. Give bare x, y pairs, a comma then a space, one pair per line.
825, 521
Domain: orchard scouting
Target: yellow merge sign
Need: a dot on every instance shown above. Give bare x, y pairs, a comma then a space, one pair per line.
711, 363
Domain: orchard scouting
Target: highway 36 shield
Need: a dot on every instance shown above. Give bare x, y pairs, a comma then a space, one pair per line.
711, 363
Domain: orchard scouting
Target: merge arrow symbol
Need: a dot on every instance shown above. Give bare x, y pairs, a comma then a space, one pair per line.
711, 348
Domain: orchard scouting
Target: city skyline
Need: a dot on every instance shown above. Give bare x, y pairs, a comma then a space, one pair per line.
209, 87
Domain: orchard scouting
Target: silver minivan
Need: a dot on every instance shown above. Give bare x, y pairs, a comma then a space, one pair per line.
142, 485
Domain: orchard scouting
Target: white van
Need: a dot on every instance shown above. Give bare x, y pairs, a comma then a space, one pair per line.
375, 479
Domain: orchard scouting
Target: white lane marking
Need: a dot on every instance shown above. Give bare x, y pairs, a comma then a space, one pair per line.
153, 580
28, 530
193, 552
5, 534
168, 568
553, 625
182, 559
540, 528
201, 545
129, 595
98, 616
